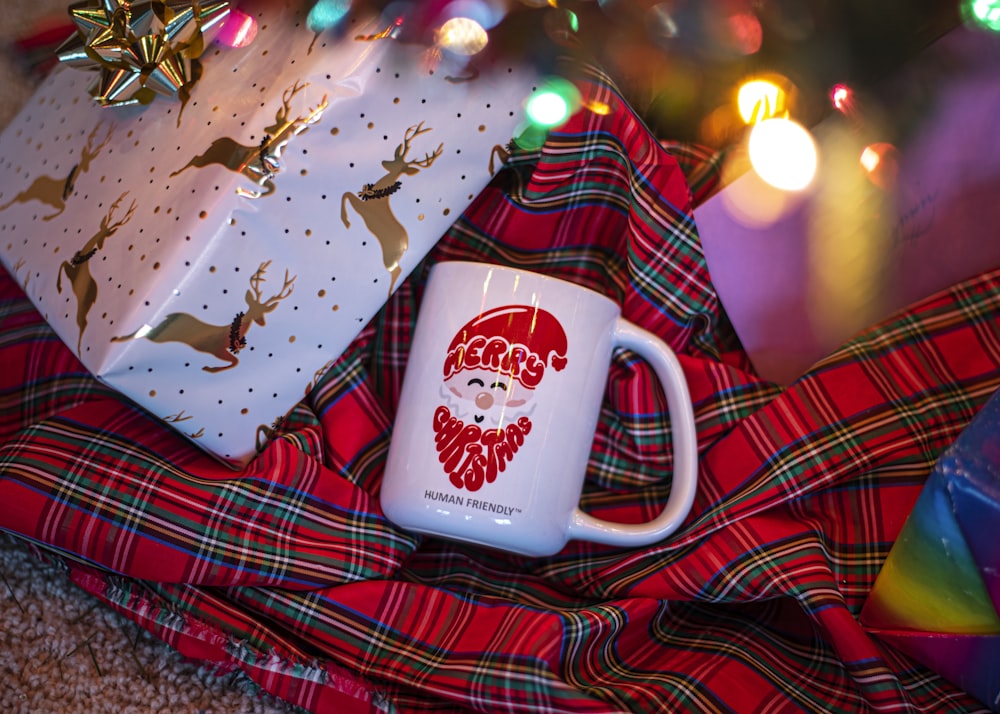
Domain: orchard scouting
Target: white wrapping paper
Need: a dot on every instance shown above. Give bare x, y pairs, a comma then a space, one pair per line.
210, 263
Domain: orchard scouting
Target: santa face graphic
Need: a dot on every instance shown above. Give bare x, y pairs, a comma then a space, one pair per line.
492, 369
487, 397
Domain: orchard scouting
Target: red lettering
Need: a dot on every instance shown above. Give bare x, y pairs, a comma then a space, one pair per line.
531, 371
473, 350
496, 353
472, 471
452, 437
471, 456
453, 361
493, 352
498, 453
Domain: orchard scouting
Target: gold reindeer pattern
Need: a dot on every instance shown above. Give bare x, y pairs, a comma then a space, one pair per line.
182, 417
54, 191
372, 202
261, 162
17, 273
77, 269
221, 341
499, 155
266, 432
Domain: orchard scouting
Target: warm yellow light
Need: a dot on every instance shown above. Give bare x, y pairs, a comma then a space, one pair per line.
462, 36
759, 99
783, 154
599, 108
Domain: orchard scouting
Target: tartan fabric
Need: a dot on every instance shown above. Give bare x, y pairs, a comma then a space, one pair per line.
290, 573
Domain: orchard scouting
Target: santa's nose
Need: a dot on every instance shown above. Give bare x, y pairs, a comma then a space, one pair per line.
484, 400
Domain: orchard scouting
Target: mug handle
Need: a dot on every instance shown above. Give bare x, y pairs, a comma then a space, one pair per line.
684, 443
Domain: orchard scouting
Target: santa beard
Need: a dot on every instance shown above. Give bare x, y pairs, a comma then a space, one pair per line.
494, 418
472, 456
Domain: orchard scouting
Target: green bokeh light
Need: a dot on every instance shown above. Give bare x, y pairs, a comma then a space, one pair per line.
555, 101
574, 21
985, 12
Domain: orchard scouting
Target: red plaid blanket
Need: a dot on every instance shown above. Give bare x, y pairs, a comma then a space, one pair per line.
290, 572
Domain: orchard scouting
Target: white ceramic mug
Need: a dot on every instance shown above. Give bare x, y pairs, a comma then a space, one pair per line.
500, 402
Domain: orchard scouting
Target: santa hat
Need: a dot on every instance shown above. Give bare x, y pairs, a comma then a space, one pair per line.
517, 340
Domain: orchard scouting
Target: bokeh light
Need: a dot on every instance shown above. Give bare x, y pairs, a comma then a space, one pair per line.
841, 96
760, 99
487, 13
986, 13
849, 234
561, 25
547, 109
599, 108
662, 22
529, 137
239, 29
555, 101
783, 153
749, 199
721, 127
327, 13
870, 159
462, 36
881, 163
745, 32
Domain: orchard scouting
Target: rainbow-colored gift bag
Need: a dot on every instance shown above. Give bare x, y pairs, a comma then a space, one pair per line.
937, 597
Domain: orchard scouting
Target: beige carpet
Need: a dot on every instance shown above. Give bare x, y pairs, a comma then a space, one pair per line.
61, 651
64, 652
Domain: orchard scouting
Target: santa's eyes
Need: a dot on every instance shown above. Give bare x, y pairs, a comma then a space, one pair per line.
480, 383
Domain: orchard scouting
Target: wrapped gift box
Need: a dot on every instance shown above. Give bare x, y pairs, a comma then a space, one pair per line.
937, 597
209, 258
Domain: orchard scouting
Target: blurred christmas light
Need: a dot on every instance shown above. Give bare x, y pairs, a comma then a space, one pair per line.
399, 13
528, 136
783, 153
880, 162
841, 96
488, 13
746, 33
462, 36
754, 203
547, 109
556, 100
721, 127
599, 108
326, 14
561, 25
986, 13
760, 99
239, 30
662, 22
870, 159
